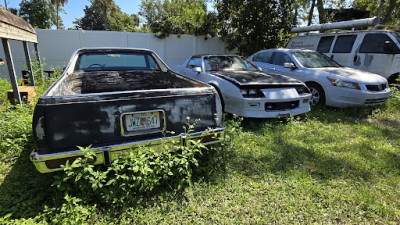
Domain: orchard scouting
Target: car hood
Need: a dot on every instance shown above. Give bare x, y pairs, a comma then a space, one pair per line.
255, 78
354, 74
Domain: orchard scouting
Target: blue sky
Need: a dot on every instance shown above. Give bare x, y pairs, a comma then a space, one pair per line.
74, 8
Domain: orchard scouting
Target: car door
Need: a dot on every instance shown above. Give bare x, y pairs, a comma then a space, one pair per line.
343, 48
278, 61
371, 55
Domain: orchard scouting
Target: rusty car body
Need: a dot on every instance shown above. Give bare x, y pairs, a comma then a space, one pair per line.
113, 99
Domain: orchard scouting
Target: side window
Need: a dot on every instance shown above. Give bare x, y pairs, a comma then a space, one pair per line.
325, 44
374, 43
280, 58
194, 62
265, 57
344, 44
255, 57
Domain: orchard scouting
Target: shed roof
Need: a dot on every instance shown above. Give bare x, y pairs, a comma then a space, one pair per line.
16, 28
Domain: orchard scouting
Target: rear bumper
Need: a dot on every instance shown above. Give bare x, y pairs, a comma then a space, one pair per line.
47, 163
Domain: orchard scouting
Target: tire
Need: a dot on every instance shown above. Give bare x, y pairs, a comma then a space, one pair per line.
393, 82
317, 94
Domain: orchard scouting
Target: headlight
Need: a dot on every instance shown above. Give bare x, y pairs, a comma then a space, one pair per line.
343, 83
301, 90
251, 93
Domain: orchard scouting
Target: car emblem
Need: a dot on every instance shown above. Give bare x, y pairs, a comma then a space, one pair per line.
283, 93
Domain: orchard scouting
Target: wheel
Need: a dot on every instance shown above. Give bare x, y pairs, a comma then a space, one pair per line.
393, 81
317, 94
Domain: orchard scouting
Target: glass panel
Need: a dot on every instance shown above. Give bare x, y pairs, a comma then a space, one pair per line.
115, 61
216, 63
265, 57
374, 43
344, 44
325, 44
194, 62
281, 58
314, 60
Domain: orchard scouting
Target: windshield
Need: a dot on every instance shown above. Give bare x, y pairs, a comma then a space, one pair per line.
216, 63
314, 60
91, 61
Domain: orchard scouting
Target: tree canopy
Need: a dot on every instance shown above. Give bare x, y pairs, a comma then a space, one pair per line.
390, 12
252, 25
39, 13
106, 15
166, 17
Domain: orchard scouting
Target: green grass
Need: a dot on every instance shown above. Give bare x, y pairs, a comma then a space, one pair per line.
338, 166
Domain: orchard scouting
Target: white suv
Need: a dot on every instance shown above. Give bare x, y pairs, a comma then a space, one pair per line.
329, 82
376, 51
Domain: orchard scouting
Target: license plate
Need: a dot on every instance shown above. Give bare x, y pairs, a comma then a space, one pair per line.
142, 121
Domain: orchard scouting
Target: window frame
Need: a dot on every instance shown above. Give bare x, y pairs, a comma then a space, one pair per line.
339, 37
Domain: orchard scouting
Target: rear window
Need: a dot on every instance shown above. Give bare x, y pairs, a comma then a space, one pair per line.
116, 61
374, 43
281, 58
325, 44
265, 57
344, 44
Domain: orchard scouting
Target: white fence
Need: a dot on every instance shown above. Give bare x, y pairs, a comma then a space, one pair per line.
57, 46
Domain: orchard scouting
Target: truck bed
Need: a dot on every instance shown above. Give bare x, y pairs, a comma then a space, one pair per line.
82, 82
115, 99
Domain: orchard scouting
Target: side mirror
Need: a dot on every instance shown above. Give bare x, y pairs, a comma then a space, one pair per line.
259, 68
389, 47
289, 65
197, 69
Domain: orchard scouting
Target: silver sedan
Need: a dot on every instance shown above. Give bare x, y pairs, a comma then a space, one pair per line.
245, 90
330, 83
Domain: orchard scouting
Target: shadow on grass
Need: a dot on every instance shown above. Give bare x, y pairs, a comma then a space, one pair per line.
25, 192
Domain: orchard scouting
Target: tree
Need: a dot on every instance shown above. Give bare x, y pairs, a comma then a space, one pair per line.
58, 3
252, 25
325, 8
39, 13
390, 11
106, 15
166, 17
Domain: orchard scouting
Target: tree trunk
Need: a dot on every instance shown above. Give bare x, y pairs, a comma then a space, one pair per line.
311, 13
392, 4
57, 13
382, 2
321, 11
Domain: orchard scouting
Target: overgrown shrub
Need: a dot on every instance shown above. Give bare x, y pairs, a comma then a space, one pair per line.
132, 176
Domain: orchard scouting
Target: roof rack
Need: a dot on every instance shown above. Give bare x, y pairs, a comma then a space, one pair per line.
368, 22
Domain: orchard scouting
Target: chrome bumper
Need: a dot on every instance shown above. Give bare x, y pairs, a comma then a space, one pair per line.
52, 162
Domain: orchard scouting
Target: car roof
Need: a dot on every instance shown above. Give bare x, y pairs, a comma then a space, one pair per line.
201, 55
287, 50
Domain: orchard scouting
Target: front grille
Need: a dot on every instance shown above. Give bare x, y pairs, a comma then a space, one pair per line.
273, 106
375, 101
376, 87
